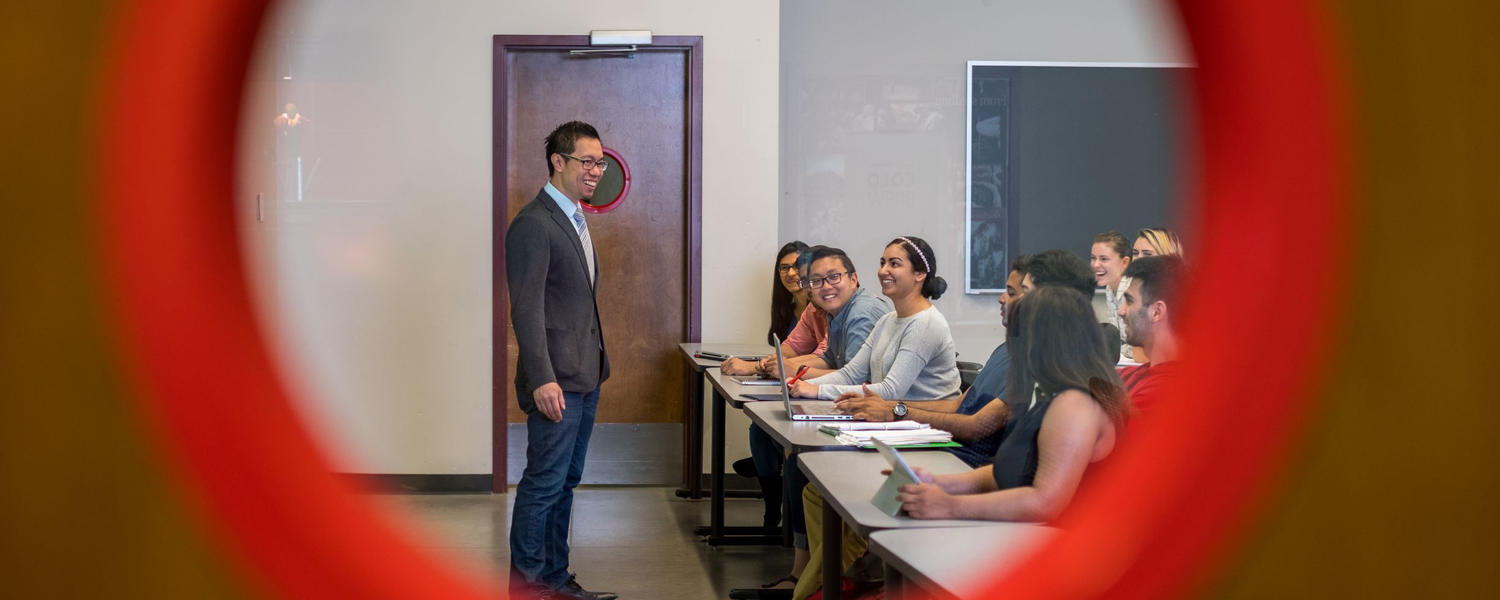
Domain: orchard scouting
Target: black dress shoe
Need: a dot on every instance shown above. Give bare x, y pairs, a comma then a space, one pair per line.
745, 467
571, 589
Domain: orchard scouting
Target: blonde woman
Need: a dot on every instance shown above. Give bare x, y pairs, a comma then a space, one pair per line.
1157, 241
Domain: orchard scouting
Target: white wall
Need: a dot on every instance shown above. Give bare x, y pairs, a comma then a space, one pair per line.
379, 296
378, 290
845, 60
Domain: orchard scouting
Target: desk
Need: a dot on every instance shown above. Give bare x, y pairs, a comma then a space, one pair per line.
847, 481
946, 560
796, 436
726, 393
692, 408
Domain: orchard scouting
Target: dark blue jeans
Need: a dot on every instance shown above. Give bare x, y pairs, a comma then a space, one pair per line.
769, 461
544, 498
765, 452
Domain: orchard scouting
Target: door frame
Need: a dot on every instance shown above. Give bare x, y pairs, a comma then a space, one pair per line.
693, 215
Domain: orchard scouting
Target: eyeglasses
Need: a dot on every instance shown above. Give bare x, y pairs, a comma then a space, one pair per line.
786, 268
589, 163
833, 278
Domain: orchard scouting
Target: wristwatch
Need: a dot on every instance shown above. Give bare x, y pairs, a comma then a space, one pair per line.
899, 410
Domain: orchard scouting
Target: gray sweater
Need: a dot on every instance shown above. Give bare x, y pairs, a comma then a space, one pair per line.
910, 358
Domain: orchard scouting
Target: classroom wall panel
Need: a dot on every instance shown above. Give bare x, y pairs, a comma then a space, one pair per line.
873, 118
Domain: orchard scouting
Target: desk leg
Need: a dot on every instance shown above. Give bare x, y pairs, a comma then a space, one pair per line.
833, 552
692, 436
895, 585
716, 479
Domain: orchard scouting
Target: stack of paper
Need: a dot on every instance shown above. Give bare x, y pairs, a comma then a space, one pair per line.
898, 433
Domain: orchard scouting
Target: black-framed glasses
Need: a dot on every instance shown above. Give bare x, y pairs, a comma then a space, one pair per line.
589, 163
784, 269
833, 278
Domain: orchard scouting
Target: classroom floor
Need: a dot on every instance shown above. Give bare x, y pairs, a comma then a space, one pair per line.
635, 541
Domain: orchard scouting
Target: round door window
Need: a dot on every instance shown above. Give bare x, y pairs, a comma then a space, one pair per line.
614, 185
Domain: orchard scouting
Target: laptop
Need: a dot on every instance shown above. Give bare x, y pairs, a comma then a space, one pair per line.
800, 412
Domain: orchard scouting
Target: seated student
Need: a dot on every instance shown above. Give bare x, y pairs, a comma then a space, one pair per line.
909, 353
789, 297
1108, 257
1053, 269
852, 312
975, 418
1146, 310
1075, 408
800, 324
1158, 241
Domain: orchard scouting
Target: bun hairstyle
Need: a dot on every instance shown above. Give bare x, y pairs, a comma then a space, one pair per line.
922, 260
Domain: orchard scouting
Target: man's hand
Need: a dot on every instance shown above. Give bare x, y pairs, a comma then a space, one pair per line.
867, 407
768, 365
735, 366
549, 400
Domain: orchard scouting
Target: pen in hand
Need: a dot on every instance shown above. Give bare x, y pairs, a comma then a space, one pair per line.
800, 371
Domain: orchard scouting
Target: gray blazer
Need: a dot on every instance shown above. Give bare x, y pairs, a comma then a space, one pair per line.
552, 306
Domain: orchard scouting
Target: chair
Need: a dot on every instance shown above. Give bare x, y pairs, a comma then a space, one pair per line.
967, 373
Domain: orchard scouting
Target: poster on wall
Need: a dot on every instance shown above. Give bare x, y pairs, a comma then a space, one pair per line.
986, 210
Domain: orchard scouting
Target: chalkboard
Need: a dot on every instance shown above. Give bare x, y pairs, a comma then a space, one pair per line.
1058, 152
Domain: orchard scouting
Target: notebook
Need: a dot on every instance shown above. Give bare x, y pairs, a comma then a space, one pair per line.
901, 474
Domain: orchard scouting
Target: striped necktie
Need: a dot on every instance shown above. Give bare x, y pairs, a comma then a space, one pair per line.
588, 243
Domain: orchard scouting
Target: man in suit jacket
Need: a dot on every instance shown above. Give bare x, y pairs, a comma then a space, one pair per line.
552, 270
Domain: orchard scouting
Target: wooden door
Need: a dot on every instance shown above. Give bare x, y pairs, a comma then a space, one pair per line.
646, 107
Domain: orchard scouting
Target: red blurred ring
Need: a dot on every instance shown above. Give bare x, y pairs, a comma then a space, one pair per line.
188, 338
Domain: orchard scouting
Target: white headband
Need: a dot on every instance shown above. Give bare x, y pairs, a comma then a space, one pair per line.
926, 268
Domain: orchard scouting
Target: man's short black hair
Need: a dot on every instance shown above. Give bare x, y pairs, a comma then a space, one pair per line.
1161, 276
1019, 263
822, 252
562, 139
1060, 267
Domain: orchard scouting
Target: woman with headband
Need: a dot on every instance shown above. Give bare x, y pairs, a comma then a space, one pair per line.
910, 352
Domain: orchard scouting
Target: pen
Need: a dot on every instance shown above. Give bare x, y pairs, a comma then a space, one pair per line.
800, 370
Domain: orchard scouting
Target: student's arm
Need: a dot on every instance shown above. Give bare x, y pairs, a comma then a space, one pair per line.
940, 414
815, 366
977, 481
857, 371
735, 366
1071, 432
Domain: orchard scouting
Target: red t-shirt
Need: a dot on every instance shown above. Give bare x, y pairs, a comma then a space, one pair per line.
1146, 383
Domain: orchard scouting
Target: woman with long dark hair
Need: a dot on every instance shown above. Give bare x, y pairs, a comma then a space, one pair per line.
789, 308
1077, 408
